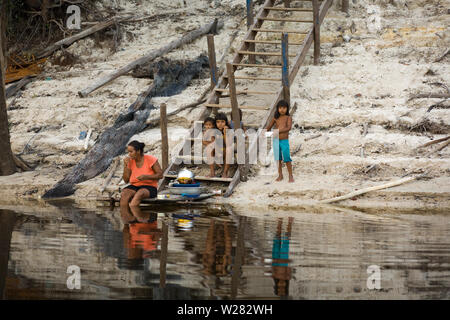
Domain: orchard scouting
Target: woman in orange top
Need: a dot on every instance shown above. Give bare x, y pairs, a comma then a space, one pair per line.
142, 172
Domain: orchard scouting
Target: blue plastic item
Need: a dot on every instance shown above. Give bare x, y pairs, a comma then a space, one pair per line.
180, 185
192, 196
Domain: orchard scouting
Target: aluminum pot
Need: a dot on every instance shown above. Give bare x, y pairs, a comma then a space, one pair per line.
185, 176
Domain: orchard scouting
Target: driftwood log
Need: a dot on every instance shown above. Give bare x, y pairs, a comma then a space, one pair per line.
68, 41
191, 36
170, 79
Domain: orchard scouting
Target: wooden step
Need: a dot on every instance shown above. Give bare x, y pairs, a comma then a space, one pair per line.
254, 78
273, 42
279, 31
202, 178
261, 53
247, 91
288, 9
215, 105
251, 65
286, 20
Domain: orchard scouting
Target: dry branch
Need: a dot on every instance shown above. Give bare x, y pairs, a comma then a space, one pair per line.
433, 142
438, 149
68, 41
191, 36
365, 190
110, 175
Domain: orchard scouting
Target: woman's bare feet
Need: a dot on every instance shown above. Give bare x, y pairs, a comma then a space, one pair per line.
279, 178
291, 179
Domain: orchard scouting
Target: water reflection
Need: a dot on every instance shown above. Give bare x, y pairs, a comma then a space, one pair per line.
281, 272
149, 254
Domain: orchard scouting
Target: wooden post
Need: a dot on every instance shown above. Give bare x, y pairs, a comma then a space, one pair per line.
287, 3
164, 139
345, 6
233, 98
238, 258
315, 4
163, 257
285, 67
251, 46
212, 60
235, 113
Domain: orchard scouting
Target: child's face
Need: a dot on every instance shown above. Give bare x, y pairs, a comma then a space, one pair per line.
282, 110
220, 124
208, 125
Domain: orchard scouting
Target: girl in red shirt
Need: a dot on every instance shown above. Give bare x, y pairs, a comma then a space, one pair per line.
142, 172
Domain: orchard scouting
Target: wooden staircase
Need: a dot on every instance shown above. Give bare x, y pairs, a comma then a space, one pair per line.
247, 49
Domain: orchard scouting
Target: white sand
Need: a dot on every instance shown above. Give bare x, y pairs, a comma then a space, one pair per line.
366, 80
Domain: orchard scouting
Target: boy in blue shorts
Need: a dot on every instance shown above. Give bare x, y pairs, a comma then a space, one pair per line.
283, 122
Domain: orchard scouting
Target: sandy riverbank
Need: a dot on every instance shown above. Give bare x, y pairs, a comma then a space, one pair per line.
372, 62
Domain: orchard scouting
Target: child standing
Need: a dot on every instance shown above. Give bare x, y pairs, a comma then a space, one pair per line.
208, 142
283, 122
222, 125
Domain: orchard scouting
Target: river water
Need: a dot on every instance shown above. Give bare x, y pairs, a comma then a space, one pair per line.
60, 251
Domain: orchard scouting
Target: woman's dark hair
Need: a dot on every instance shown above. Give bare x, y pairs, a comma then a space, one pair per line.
138, 146
209, 119
281, 103
222, 116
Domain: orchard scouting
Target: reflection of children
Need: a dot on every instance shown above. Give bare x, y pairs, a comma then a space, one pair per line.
283, 122
281, 272
217, 255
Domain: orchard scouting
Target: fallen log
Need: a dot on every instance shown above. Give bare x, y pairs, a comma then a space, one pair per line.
365, 190
433, 142
169, 80
438, 149
68, 41
430, 96
191, 36
15, 87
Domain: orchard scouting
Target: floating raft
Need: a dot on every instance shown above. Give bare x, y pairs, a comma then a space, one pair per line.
172, 199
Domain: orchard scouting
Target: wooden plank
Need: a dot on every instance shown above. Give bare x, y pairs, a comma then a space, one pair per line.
234, 182
248, 91
110, 174
288, 9
287, 20
261, 53
249, 65
285, 68
250, 21
273, 42
279, 31
315, 4
215, 105
203, 178
164, 137
212, 60
256, 78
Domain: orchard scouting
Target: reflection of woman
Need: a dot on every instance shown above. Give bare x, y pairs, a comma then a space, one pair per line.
217, 255
140, 232
281, 272
142, 172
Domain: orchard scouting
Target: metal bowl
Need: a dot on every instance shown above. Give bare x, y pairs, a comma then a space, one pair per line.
185, 176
